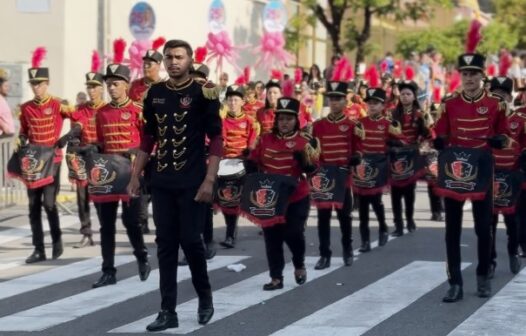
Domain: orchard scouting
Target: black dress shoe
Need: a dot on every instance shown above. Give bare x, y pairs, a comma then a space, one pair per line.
397, 233
515, 264
205, 311
36, 256
491, 270
165, 319
84, 242
229, 242
183, 262
145, 229
382, 238
300, 275
273, 285
323, 263
58, 249
105, 280
144, 270
411, 226
366, 247
483, 286
454, 294
210, 251
348, 256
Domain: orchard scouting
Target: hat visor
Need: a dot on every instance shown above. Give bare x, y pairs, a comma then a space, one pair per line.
145, 58
402, 86
239, 94
471, 67
374, 98
127, 80
38, 80
334, 94
286, 111
93, 82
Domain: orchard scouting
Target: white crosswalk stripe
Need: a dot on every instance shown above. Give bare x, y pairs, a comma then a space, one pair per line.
22, 231
70, 308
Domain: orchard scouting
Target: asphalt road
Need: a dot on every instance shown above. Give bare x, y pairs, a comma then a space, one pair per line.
393, 290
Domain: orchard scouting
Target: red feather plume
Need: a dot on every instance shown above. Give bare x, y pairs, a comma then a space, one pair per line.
38, 56
384, 66
349, 73
409, 73
340, 69
95, 61
158, 42
436, 95
241, 80
298, 76
492, 70
474, 36
371, 75
246, 74
288, 88
119, 45
200, 54
454, 81
276, 74
397, 71
505, 61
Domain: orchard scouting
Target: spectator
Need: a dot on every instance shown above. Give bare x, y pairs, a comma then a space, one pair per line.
7, 125
327, 74
82, 98
223, 84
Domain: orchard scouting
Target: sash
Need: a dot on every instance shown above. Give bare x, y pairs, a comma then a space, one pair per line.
464, 173
371, 175
264, 198
406, 166
506, 191
33, 165
108, 177
328, 187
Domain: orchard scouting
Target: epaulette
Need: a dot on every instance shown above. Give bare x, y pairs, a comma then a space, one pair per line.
139, 105
210, 90
428, 119
312, 148
306, 135
394, 127
359, 130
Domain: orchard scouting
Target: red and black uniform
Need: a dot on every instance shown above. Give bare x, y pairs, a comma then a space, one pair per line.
414, 129
85, 114
41, 124
239, 134
340, 138
265, 118
468, 122
378, 131
251, 108
304, 116
274, 154
118, 131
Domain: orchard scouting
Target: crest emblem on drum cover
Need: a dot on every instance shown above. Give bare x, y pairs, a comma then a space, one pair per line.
186, 101
31, 165
364, 171
514, 125
114, 67
125, 115
284, 103
344, 128
265, 195
468, 59
482, 110
321, 183
334, 86
371, 92
401, 165
48, 111
100, 174
77, 164
461, 169
290, 144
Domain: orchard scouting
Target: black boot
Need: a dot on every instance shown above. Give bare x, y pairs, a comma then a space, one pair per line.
397, 233
300, 275
491, 271
228, 243
58, 249
366, 247
323, 262
36, 256
165, 319
105, 280
183, 261
348, 256
144, 269
382, 238
210, 251
205, 311
273, 285
483, 286
515, 264
411, 225
454, 294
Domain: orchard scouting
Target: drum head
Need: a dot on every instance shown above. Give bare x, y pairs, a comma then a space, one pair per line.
231, 168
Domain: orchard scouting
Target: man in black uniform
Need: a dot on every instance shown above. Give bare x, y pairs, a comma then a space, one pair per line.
179, 113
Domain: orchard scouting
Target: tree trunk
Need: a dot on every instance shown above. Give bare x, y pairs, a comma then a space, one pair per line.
363, 37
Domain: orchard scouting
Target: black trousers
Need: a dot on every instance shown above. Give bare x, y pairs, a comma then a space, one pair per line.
292, 232
512, 230
408, 194
179, 220
45, 196
378, 208
84, 210
231, 225
482, 214
435, 202
521, 212
324, 226
144, 200
107, 213
208, 230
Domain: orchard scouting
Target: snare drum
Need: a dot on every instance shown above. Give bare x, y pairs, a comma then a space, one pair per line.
231, 169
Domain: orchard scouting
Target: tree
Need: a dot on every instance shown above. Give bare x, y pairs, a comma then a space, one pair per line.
358, 30
450, 41
512, 14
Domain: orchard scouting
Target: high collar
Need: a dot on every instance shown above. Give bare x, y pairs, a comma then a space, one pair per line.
287, 136
475, 98
334, 118
42, 101
96, 104
233, 116
376, 117
117, 105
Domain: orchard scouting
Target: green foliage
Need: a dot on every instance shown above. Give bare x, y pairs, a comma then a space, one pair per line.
512, 14
450, 41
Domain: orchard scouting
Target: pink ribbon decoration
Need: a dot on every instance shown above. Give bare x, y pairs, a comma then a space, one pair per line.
136, 52
220, 49
272, 53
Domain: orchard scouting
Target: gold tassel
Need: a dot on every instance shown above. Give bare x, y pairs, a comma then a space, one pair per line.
210, 91
312, 153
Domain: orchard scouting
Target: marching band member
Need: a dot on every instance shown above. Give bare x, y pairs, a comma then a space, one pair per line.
340, 139
265, 116
287, 151
119, 126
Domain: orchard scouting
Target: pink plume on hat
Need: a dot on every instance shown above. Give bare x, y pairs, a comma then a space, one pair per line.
474, 36
340, 69
246, 74
288, 88
371, 75
240, 80
505, 61
119, 45
454, 81
95, 61
158, 42
38, 56
276, 74
397, 70
200, 54
384, 66
409, 73
298, 76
